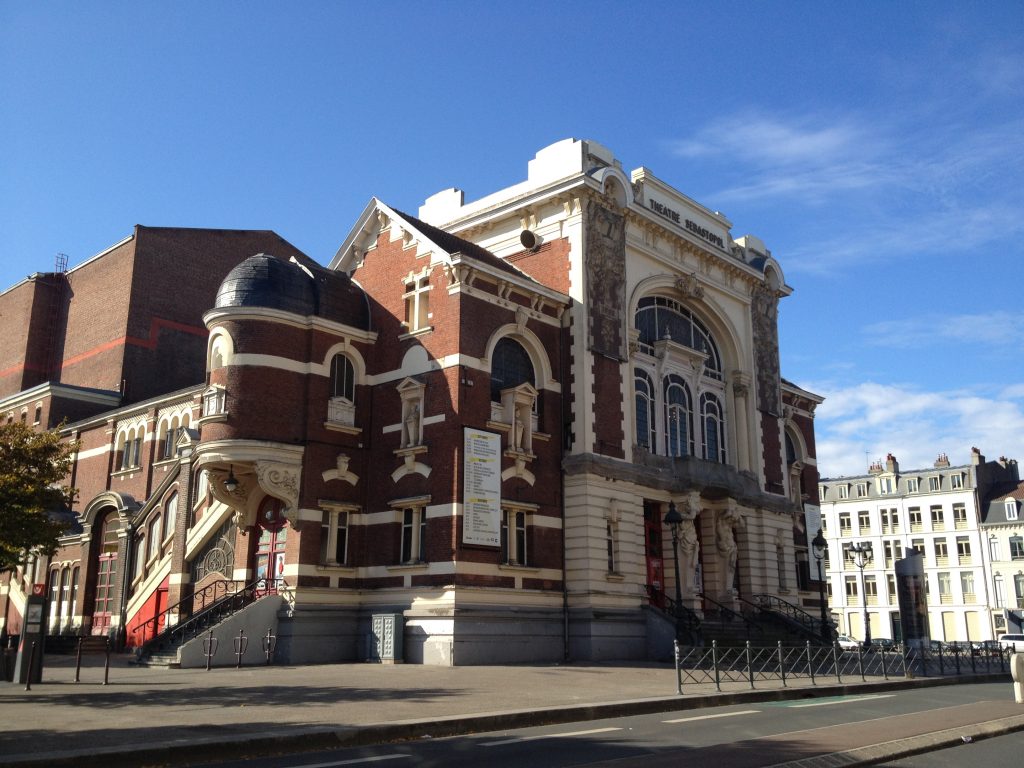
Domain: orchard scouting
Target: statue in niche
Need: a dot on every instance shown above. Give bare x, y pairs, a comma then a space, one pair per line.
411, 427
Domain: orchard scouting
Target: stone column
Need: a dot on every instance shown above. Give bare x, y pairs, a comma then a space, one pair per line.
740, 392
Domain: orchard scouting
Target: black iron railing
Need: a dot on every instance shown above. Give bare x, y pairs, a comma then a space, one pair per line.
792, 615
725, 614
215, 603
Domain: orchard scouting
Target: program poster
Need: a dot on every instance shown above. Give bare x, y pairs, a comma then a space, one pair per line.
910, 591
481, 503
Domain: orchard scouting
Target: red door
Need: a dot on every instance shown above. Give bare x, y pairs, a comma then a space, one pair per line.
273, 533
106, 578
655, 561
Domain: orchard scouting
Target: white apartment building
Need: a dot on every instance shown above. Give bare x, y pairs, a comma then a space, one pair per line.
936, 511
1002, 528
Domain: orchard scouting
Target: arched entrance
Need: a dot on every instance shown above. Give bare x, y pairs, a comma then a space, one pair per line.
106, 577
272, 535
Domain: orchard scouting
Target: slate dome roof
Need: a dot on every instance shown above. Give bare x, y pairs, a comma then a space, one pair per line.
265, 281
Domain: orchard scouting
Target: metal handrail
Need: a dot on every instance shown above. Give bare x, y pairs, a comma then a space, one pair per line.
686, 617
207, 595
213, 612
730, 612
775, 604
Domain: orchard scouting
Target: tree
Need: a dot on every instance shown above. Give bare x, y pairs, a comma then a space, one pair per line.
33, 466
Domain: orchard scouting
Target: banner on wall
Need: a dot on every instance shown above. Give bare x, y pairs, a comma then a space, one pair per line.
481, 499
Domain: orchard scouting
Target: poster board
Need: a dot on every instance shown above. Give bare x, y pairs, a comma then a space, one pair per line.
481, 502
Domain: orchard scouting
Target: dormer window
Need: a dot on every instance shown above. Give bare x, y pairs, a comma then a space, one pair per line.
1011, 509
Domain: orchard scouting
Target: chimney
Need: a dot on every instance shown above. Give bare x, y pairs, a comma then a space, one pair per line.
976, 457
942, 461
891, 465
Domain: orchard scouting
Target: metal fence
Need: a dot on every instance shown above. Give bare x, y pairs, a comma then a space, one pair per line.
747, 665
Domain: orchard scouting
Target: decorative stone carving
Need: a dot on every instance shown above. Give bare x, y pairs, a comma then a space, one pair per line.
689, 543
280, 481
606, 279
690, 287
765, 304
726, 523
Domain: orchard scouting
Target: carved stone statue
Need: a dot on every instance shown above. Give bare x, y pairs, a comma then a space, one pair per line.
411, 427
689, 543
726, 523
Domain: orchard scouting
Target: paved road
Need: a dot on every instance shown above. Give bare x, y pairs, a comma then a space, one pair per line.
738, 736
998, 752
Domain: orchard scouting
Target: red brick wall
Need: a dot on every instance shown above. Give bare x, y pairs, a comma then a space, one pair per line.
607, 391
548, 265
772, 453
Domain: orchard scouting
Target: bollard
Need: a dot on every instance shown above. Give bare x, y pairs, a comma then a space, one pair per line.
78, 659
835, 660
269, 644
885, 671
31, 666
750, 667
241, 644
1017, 671
209, 649
810, 663
860, 662
679, 673
714, 663
782, 667
106, 664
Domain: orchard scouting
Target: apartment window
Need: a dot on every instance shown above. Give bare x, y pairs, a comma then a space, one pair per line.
1016, 548
916, 525
959, 516
938, 519
513, 537
945, 587
913, 485
155, 538
845, 526
170, 515
852, 591
941, 552
862, 490
956, 481
967, 586
847, 554
963, 550
417, 305
885, 485
1018, 588
824, 525
334, 537
933, 483
890, 583
918, 544
993, 549
844, 491
870, 590
893, 551
864, 522
1011, 509
890, 521
999, 591
414, 528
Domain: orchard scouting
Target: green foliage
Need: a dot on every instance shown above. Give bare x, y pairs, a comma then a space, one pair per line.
33, 466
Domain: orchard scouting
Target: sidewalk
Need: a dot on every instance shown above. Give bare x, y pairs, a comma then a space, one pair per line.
154, 714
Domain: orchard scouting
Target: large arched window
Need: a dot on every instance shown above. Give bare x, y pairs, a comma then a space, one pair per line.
659, 317
343, 378
713, 422
170, 514
510, 367
645, 432
678, 417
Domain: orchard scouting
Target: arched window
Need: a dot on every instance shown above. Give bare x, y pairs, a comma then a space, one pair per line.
713, 425
170, 514
644, 410
343, 378
510, 367
659, 317
678, 416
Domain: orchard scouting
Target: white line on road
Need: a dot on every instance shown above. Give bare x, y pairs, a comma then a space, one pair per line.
711, 717
355, 761
548, 736
852, 700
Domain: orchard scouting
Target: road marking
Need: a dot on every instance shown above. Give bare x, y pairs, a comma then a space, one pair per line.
711, 717
845, 700
355, 761
547, 736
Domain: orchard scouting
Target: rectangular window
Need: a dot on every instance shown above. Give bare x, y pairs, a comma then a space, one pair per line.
933, 483
885, 485
963, 550
945, 587
610, 542
513, 537
1018, 587
1011, 509
852, 592
417, 313
414, 524
941, 552
870, 590
999, 591
913, 485
967, 586
956, 481
845, 526
918, 544
864, 522
959, 516
334, 537
938, 518
1016, 548
862, 490
916, 525
844, 491
993, 549
890, 583
154, 537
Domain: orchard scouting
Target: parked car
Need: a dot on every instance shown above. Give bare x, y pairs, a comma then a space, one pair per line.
884, 643
847, 643
1014, 642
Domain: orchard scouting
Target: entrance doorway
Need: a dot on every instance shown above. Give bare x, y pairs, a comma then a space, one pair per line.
268, 561
655, 560
106, 577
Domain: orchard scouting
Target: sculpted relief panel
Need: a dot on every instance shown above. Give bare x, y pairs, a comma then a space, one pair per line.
606, 280
765, 318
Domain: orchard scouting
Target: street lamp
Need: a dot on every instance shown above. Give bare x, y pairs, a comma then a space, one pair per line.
231, 484
820, 547
674, 521
862, 555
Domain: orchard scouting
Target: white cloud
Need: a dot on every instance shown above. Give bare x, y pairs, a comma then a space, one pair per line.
858, 424
993, 328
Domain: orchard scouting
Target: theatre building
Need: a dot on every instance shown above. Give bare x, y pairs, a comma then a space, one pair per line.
457, 443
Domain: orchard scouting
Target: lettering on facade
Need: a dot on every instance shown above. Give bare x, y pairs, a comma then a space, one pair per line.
688, 224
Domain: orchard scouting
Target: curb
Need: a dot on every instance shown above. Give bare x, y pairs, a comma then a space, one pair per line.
313, 738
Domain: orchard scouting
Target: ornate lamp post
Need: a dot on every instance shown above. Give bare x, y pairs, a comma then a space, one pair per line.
674, 521
862, 555
819, 546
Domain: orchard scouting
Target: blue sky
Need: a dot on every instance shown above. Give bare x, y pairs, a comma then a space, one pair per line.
876, 147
